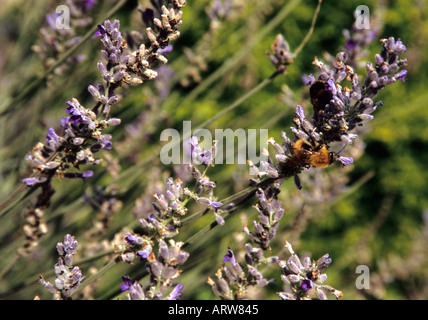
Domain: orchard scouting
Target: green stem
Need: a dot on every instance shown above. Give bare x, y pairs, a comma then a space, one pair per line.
311, 30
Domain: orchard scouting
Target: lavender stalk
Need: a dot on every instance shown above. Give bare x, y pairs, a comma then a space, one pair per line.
82, 131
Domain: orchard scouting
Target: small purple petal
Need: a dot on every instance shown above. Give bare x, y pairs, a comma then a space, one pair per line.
350, 44
87, 174
215, 204
88, 4
308, 80
51, 135
300, 113
30, 181
194, 141
175, 293
166, 50
307, 284
331, 86
101, 31
130, 239
401, 75
126, 285
206, 157
113, 122
346, 160
229, 256
145, 253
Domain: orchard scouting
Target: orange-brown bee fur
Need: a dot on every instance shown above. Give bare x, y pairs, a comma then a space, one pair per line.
309, 155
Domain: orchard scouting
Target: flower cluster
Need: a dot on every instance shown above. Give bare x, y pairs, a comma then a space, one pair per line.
164, 221
81, 134
302, 275
163, 270
82, 130
270, 212
68, 278
338, 110
166, 30
356, 41
169, 206
81, 138
233, 279
281, 56
57, 39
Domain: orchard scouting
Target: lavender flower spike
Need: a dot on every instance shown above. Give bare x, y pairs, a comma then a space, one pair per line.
68, 277
302, 275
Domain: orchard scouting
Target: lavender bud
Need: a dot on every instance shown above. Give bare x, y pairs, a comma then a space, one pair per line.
364, 116
94, 91
113, 122
345, 160
77, 141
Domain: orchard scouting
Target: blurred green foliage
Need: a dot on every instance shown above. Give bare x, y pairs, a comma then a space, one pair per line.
378, 223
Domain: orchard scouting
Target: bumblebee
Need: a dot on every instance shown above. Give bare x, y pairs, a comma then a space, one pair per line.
320, 96
308, 154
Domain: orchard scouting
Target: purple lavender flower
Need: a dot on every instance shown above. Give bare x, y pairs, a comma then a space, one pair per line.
68, 247
345, 160
68, 277
101, 31
281, 56
56, 41
34, 180
307, 284
135, 290
127, 284
302, 275
82, 175
130, 239
237, 279
80, 115
166, 50
148, 15
337, 112
351, 44
199, 155
308, 80
356, 42
163, 269
88, 4
145, 253
401, 75
176, 292
230, 256
270, 212
216, 205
